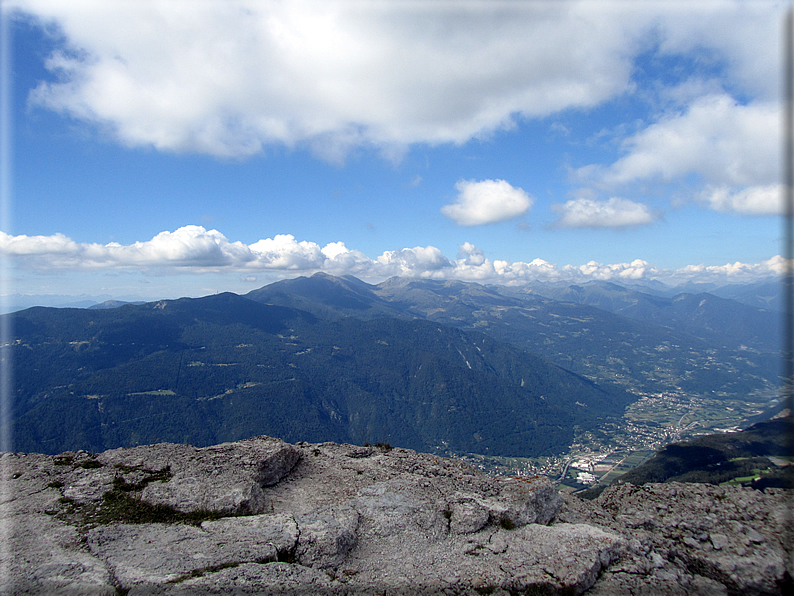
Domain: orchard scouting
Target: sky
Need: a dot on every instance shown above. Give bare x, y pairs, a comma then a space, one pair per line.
165, 148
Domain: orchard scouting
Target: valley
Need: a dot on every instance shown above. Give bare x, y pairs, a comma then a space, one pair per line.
512, 380
599, 457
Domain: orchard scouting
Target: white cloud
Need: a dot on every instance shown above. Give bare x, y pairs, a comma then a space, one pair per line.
418, 261
194, 250
485, 202
756, 200
283, 252
341, 260
745, 36
637, 269
226, 78
716, 137
732, 272
614, 213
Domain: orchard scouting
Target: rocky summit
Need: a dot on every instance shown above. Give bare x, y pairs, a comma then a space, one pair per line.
261, 516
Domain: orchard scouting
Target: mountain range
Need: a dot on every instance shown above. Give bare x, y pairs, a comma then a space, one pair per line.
691, 343
429, 365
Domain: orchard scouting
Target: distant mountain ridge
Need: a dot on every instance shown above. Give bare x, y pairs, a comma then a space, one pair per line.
704, 315
328, 296
668, 353
443, 366
225, 367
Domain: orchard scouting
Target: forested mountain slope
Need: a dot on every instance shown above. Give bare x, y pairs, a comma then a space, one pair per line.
603, 346
224, 367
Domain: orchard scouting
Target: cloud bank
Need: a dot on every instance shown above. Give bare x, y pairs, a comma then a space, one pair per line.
193, 249
486, 202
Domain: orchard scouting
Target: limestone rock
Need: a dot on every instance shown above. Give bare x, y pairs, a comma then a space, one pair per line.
731, 537
273, 579
326, 536
43, 556
279, 531
153, 554
228, 478
263, 517
467, 514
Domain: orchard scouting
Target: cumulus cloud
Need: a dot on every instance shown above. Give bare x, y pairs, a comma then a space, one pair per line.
285, 253
485, 202
193, 249
637, 269
424, 261
227, 78
731, 146
189, 246
756, 200
341, 260
723, 140
614, 213
732, 272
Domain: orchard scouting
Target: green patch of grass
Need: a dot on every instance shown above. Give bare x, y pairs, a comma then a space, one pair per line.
63, 460
119, 506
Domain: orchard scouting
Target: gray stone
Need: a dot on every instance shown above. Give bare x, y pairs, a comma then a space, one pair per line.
718, 541
279, 531
45, 557
691, 542
754, 536
394, 507
467, 515
228, 478
326, 536
528, 500
87, 486
272, 579
152, 554
345, 520
571, 556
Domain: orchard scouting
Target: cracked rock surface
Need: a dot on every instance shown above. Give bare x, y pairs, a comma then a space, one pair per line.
264, 517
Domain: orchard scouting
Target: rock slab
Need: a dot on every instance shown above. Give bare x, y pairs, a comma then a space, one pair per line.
264, 517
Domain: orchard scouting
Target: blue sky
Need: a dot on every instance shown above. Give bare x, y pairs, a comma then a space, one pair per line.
163, 149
